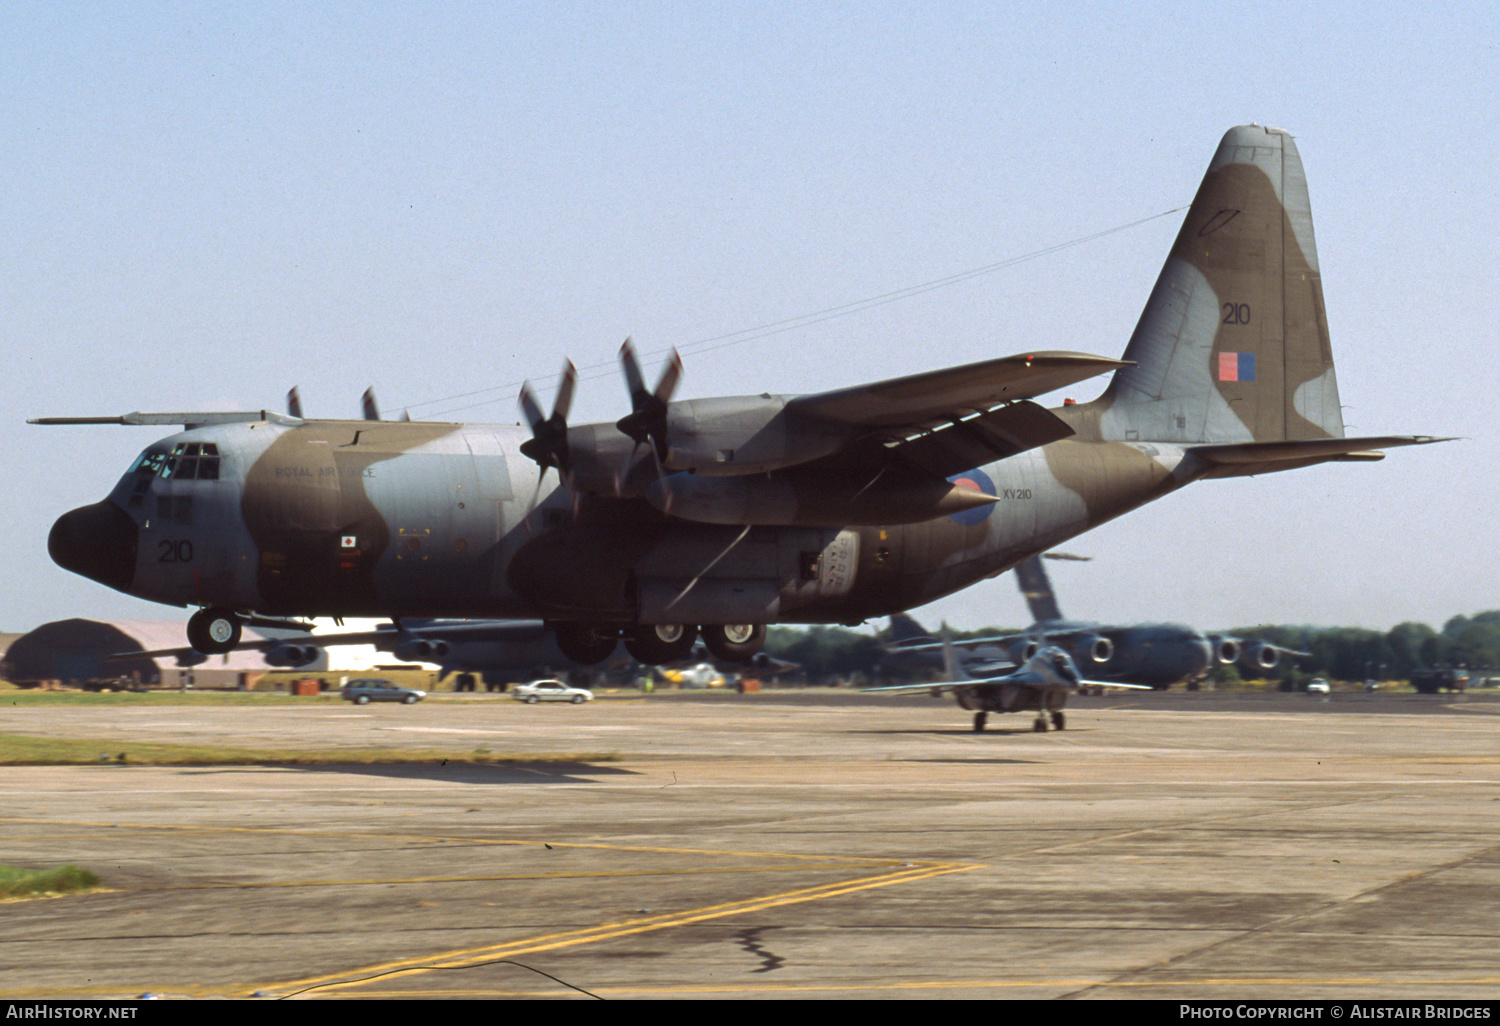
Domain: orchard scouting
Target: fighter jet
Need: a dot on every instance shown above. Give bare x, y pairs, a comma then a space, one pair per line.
1044, 683
1155, 654
715, 517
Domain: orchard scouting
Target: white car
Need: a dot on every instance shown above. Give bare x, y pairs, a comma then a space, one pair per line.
551, 691
1318, 686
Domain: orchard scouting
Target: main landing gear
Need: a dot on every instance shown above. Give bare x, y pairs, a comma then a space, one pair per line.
654, 644
734, 642
979, 720
214, 631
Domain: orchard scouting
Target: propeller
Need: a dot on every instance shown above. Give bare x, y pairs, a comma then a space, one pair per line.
371, 411
647, 420
294, 403
548, 444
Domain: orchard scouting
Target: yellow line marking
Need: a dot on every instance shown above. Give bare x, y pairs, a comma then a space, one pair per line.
774, 988
603, 873
609, 931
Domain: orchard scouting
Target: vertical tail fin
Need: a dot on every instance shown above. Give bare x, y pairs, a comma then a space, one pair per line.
1037, 589
952, 668
1233, 343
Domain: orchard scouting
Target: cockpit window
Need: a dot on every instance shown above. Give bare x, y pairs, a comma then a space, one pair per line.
190, 461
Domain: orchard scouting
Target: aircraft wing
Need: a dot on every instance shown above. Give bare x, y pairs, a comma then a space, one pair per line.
940, 396
916, 689
1114, 684
474, 630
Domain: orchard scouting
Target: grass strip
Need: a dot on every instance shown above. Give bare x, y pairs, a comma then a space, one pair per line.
30, 750
23, 883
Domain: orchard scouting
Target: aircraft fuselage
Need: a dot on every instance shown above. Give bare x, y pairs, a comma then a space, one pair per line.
362, 518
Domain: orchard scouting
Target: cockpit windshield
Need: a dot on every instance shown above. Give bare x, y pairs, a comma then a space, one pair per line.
186, 461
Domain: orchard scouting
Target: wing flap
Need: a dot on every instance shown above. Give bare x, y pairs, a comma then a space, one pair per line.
994, 435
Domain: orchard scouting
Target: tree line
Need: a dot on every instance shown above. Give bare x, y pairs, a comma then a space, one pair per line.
1343, 653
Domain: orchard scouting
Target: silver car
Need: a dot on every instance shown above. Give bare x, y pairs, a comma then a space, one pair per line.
362, 692
551, 691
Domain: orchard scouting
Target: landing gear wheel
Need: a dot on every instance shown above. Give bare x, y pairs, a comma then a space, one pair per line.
654, 644
584, 642
1059, 721
979, 720
734, 642
1040, 726
213, 631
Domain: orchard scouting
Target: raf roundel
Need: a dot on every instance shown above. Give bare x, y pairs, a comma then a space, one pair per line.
979, 481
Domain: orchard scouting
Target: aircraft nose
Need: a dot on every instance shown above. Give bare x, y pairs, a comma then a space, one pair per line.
97, 541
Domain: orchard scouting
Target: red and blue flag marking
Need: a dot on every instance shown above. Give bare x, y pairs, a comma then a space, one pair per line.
1236, 366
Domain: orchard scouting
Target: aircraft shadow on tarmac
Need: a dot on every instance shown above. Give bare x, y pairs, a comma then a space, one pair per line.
570, 772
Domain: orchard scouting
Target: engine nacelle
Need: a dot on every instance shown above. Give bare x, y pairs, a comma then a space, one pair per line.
1024, 650
421, 650
1226, 650
1261, 656
1096, 649
292, 655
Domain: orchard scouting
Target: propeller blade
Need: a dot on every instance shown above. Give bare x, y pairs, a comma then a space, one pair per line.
670, 375
371, 411
565, 392
529, 409
294, 403
633, 380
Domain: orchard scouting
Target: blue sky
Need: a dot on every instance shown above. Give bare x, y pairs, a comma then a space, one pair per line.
206, 205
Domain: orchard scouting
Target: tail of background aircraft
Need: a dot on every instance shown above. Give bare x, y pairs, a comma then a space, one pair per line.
905, 630
1233, 344
1037, 589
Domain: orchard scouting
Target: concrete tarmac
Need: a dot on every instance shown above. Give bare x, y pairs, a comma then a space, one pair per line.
829, 846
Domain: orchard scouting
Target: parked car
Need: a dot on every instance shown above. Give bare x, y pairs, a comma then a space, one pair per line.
362, 692
551, 691
1318, 686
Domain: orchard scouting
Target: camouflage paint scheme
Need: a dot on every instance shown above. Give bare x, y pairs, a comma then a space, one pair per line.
827, 508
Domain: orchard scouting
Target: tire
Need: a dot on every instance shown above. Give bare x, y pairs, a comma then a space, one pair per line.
736, 642
361, 699
584, 643
654, 644
578, 699
214, 631
409, 700
531, 700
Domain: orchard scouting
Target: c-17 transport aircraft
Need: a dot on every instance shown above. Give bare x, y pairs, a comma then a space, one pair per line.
1044, 682
1154, 654
719, 516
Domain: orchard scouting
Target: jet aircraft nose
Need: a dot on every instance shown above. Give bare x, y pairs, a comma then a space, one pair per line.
97, 541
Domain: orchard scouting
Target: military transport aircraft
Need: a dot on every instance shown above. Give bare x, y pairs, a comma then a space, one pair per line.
719, 516
1044, 683
1155, 654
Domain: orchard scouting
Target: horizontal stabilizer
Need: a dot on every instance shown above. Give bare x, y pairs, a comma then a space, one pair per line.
996, 435
939, 396
189, 420
1245, 458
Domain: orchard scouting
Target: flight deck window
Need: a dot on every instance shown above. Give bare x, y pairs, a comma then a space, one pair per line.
191, 461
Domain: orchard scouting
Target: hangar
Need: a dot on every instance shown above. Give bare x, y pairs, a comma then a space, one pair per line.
73, 652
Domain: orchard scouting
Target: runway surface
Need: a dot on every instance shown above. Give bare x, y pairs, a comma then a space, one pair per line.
770, 847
